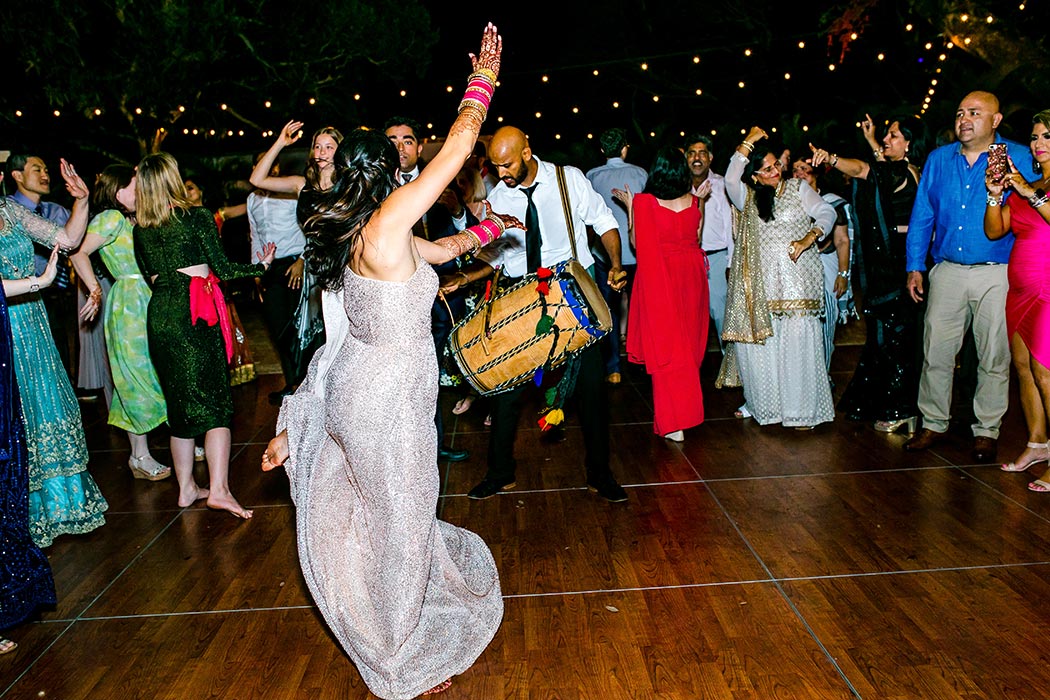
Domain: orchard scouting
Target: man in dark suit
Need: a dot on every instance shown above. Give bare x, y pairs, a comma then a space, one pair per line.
446, 218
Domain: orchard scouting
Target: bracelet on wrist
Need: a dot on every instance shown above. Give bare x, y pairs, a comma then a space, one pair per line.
992, 200
844, 274
1038, 198
748, 145
834, 159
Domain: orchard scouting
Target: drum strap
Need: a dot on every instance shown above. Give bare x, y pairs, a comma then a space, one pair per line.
566, 207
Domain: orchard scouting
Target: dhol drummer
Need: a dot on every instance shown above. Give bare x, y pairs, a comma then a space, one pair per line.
528, 189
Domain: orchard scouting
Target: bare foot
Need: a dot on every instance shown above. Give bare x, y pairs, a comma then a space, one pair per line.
6, 645
188, 498
439, 688
228, 502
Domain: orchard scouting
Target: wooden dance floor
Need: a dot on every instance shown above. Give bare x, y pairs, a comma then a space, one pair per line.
750, 562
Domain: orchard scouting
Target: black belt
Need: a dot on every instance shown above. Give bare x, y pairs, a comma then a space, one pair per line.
715, 252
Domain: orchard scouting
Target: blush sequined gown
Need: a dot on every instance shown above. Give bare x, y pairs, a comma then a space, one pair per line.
413, 600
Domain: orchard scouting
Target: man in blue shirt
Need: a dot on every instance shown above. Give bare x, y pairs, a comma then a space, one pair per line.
617, 173
968, 279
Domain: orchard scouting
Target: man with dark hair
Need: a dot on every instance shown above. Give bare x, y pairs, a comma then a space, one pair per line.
528, 189
615, 174
717, 224
33, 183
446, 218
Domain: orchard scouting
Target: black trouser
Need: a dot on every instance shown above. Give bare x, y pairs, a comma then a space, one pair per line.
441, 327
610, 344
279, 305
590, 398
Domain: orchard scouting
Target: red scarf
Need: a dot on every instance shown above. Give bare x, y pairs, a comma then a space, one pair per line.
208, 304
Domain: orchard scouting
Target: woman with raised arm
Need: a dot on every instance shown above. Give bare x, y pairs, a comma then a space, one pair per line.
1026, 211
413, 600
885, 384
138, 403
775, 301
318, 174
190, 335
63, 498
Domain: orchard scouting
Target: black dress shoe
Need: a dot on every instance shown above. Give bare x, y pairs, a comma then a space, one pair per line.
446, 455
609, 490
489, 488
984, 449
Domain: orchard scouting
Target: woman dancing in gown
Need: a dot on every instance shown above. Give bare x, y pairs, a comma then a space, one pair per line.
775, 299
63, 498
25, 576
1027, 212
412, 600
138, 403
669, 314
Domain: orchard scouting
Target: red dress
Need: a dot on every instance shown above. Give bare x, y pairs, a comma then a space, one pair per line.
1028, 299
668, 318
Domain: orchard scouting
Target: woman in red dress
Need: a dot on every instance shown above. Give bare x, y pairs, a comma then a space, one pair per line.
668, 318
1027, 212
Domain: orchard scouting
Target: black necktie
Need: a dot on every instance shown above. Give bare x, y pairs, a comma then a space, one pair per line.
406, 178
533, 240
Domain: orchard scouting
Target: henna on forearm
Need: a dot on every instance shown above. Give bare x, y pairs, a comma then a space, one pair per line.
459, 244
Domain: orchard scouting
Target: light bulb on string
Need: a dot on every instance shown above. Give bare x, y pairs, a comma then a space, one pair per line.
881, 56
266, 104
223, 106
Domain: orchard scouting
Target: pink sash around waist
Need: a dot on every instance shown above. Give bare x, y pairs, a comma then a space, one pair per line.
208, 304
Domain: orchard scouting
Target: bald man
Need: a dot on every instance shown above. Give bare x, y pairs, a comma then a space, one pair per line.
520, 172
967, 283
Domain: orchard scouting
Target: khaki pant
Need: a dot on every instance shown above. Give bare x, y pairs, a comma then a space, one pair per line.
958, 296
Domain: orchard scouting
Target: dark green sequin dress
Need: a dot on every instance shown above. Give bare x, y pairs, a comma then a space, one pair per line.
190, 358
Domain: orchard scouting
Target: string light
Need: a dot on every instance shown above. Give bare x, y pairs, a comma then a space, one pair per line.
989, 19
57, 113
499, 119
645, 66
448, 88
882, 57
595, 71
403, 93
747, 52
98, 112
853, 36
787, 76
616, 105
696, 59
699, 92
539, 114
740, 84
138, 110
181, 108
965, 18
266, 104
223, 106
929, 46
907, 27
590, 136
831, 66
313, 100
430, 125
18, 112
656, 98
545, 79
557, 136
357, 96
805, 128
575, 110
802, 44
714, 132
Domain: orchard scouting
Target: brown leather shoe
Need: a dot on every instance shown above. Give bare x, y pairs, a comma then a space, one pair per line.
984, 449
613, 378
923, 440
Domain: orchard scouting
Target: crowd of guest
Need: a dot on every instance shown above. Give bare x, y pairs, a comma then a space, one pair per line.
933, 245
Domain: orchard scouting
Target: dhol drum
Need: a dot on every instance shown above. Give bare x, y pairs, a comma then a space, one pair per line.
502, 342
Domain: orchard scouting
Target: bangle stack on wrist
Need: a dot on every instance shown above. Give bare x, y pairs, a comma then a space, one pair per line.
834, 159
748, 145
476, 100
992, 200
1038, 198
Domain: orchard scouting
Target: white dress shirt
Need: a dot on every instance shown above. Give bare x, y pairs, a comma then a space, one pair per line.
273, 220
718, 217
588, 209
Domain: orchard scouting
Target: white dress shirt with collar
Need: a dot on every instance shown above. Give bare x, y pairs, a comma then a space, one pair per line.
588, 209
718, 217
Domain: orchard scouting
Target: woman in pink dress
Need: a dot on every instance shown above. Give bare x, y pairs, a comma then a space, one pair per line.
1027, 212
669, 313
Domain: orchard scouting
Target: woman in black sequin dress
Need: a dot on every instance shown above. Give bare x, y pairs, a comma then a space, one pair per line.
177, 248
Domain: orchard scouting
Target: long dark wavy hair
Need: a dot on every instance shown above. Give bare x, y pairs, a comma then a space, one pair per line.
333, 219
111, 180
669, 176
313, 170
764, 194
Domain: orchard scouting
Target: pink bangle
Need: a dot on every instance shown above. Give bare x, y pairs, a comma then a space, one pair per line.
487, 230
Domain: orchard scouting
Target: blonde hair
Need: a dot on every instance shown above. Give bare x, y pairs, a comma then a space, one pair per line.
159, 190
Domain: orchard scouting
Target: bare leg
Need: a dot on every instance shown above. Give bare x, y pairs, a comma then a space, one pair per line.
1041, 376
182, 457
1032, 404
217, 451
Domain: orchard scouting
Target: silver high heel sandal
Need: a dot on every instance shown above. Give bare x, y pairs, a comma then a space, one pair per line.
892, 426
1015, 467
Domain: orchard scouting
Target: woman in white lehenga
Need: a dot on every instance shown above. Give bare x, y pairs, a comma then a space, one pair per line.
775, 301
413, 600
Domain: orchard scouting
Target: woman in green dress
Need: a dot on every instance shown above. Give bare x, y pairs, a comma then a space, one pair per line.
190, 335
63, 498
138, 404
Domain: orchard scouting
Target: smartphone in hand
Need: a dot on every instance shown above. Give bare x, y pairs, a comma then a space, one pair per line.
997, 161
